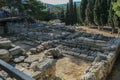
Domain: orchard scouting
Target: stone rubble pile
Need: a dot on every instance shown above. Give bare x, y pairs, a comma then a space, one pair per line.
31, 64
7, 49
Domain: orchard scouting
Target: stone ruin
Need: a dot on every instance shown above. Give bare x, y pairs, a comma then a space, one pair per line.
51, 44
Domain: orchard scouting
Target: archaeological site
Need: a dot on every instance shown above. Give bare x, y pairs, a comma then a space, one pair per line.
56, 52
59, 39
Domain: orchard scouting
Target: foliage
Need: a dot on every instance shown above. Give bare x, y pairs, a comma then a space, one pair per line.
116, 7
71, 13
89, 12
83, 6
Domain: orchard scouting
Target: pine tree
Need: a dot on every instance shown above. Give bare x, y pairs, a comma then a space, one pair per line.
83, 6
97, 13
100, 13
89, 12
71, 17
67, 15
75, 13
71, 13
62, 15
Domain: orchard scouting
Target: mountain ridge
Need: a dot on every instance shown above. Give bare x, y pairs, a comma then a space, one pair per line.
48, 5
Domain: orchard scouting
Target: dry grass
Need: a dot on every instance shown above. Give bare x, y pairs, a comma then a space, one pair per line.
96, 31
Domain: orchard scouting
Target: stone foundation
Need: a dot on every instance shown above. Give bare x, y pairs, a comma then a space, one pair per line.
50, 43
102, 65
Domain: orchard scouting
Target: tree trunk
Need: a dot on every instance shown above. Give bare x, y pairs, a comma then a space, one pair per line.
113, 30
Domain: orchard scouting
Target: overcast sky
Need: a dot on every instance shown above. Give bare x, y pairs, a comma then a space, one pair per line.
57, 1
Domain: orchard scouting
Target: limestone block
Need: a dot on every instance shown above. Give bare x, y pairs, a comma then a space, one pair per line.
4, 54
31, 58
36, 74
16, 50
45, 64
5, 44
19, 59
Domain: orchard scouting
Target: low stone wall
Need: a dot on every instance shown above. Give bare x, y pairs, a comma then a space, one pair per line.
102, 65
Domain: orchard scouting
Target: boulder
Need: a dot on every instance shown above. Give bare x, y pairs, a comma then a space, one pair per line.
4, 54
35, 75
45, 65
33, 50
16, 50
5, 44
32, 58
19, 59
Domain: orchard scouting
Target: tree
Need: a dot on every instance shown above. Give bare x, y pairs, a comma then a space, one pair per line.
100, 13
75, 13
111, 16
89, 12
97, 13
71, 16
67, 15
62, 15
83, 6
116, 7
71, 13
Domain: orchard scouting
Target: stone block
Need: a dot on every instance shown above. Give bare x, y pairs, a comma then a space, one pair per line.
5, 44
4, 54
36, 75
45, 65
16, 50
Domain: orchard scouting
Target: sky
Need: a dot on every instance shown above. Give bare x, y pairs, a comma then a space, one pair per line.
57, 1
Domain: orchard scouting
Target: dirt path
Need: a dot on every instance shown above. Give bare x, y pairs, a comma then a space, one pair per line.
96, 31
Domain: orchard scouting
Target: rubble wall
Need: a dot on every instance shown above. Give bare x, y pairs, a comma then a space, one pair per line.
102, 65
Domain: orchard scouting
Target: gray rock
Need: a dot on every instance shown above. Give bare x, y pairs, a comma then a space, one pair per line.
31, 58
33, 65
5, 44
33, 50
25, 65
16, 50
39, 48
35, 75
19, 59
45, 65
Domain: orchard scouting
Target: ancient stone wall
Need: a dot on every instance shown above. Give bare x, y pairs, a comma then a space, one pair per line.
102, 65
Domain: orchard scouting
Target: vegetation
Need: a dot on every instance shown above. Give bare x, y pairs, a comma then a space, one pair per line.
83, 6
116, 7
31, 8
71, 13
90, 12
